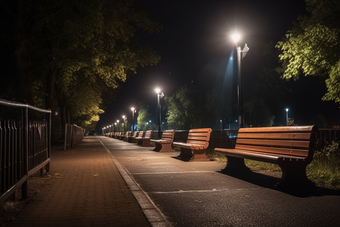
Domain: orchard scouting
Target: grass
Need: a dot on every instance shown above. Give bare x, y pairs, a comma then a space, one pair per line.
324, 170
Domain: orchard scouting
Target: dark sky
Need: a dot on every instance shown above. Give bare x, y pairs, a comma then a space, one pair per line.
196, 36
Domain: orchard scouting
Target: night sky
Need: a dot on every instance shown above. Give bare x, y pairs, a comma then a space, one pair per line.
195, 43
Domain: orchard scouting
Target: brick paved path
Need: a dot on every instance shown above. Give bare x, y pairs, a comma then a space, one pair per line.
86, 190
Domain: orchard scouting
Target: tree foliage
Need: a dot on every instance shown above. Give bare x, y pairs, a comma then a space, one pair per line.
72, 53
312, 46
188, 108
143, 118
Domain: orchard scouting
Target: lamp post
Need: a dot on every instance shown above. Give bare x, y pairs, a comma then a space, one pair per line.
287, 116
236, 38
133, 118
159, 96
117, 125
124, 122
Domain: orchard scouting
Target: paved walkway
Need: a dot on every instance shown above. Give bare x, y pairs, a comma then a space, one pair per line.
86, 189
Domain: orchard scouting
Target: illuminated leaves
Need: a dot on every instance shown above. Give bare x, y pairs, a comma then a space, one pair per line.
312, 47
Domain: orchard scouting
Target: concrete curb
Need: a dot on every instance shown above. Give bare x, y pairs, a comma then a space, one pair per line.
153, 214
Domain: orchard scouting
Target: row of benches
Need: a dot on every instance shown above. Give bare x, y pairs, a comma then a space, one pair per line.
291, 147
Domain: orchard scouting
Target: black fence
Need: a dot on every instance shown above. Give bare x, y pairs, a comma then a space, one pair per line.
25, 145
227, 138
73, 135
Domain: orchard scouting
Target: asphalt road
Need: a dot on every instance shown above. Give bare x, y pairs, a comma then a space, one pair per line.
198, 194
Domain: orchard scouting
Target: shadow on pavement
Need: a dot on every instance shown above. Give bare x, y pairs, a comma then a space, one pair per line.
271, 182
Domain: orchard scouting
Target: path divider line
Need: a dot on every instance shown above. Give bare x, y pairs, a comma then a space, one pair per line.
152, 213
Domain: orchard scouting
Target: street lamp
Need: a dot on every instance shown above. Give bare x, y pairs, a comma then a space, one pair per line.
133, 118
287, 116
236, 38
159, 96
117, 125
123, 122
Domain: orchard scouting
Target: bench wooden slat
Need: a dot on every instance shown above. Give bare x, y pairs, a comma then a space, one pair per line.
144, 141
275, 150
279, 129
247, 154
276, 143
291, 147
292, 136
164, 144
197, 143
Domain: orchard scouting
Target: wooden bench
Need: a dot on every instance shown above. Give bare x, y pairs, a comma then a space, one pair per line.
164, 144
117, 135
132, 136
197, 143
138, 134
145, 140
126, 136
122, 135
291, 147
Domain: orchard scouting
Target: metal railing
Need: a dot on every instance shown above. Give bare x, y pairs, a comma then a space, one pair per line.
25, 145
73, 135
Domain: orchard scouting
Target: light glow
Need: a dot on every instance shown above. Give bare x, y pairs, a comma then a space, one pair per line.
157, 90
235, 37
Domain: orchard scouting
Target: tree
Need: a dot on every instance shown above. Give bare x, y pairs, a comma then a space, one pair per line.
266, 90
188, 108
67, 51
312, 46
143, 118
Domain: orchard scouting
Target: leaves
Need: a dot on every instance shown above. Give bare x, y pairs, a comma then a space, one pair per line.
312, 46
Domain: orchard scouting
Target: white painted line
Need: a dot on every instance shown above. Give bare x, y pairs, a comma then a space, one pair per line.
174, 172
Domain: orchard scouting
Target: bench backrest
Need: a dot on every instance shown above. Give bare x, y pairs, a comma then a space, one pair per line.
168, 135
128, 134
148, 134
199, 136
140, 134
134, 134
287, 140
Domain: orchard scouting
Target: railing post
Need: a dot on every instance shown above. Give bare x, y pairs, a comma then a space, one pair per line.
49, 125
24, 187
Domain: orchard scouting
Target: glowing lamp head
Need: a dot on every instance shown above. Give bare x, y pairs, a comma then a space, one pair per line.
287, 110
123, 117
132, 109
157, 90
235, 37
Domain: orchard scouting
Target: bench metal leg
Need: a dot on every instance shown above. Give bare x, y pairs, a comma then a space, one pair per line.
199, 155
158, 147
235, 166
185, 154
193, 155
146, 143
165, 147
294, 175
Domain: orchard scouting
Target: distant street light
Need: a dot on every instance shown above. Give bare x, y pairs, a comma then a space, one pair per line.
287, 116
123, 122
133, 118
118, 125
236, 38
159, 96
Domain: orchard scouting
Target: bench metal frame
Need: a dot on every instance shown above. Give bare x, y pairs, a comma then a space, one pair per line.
164, 144
197, 143
291, 147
